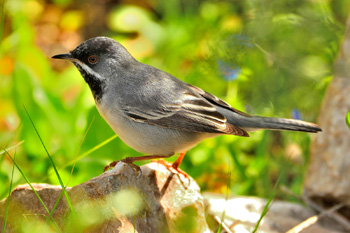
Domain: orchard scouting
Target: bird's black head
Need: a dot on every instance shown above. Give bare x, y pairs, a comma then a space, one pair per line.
99, 59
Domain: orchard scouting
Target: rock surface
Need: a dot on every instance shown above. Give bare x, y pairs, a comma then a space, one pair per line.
157, 201
327, 179
241, 214
116, 201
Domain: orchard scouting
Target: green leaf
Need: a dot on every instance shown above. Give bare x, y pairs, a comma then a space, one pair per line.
347, 119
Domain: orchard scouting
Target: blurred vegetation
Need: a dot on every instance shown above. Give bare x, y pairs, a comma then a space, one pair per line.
271, 58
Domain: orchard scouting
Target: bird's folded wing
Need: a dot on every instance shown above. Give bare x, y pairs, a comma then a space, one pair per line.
215, 100
192, 113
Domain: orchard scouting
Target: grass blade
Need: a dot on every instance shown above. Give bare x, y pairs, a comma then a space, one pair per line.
59, 198
12, 147
228, 188
266, 208
90, 151
81, 143
53, 164
8, 197
55, 206
31, 186
237, 163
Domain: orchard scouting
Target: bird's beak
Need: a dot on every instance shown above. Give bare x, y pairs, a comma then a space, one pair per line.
65, 56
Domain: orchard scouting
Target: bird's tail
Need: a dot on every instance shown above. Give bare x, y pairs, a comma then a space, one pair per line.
257, 122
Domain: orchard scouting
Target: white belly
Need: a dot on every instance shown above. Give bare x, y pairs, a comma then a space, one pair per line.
150, 139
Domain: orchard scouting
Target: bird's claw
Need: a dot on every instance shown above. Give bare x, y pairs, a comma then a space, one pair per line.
136, 168
111, 165
133, 166
175, 170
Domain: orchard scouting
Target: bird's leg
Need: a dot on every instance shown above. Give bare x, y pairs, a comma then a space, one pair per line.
130, 160
177, 163
175, 166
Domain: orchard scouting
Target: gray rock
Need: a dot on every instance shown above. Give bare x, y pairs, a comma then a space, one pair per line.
116, 201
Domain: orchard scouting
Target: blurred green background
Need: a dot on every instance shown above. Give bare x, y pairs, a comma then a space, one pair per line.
270, 58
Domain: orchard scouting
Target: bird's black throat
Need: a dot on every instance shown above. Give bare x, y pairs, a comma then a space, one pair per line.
96, 84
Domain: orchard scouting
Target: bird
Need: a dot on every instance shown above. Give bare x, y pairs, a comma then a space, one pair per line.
156, 113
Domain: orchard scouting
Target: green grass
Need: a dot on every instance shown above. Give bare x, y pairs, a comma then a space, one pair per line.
268, 203
12, 147
283, 51
57, 174
8, 196
90, 151
50, 219
79, 157
200, 45
228, 188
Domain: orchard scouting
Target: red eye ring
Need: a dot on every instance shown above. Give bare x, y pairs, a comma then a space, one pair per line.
92, 59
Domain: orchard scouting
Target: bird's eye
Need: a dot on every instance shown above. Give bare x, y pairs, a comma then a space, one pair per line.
93, 59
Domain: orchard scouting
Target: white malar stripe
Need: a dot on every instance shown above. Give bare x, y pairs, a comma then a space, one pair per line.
88, 70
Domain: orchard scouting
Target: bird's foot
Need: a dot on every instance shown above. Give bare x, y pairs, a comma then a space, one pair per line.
126, 160
111, 165
174, 169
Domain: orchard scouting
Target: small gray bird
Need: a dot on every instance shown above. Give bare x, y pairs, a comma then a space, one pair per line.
155, 113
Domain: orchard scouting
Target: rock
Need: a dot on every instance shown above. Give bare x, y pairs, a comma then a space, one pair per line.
241, 214
330, 149
116, 201
327, 179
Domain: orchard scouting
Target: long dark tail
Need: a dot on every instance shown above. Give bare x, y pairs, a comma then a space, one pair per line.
257, 122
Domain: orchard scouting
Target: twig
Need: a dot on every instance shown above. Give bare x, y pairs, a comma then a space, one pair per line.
223, 224
340, 219
312, 220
